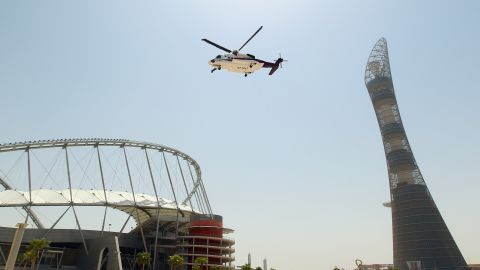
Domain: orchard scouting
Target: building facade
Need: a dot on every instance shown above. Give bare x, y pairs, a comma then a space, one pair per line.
113, 250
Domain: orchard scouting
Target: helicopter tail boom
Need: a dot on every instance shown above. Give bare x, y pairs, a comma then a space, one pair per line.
275, 66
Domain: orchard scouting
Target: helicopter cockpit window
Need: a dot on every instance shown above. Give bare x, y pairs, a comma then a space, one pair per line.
218, 57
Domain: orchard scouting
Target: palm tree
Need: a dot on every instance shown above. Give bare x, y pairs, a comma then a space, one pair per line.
201, 262
258, 268
175, 261
246, 267
143, 258
34, 249
216, 267
27, 257
336, 268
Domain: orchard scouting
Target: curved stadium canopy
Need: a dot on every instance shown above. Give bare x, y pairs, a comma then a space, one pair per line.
141, 206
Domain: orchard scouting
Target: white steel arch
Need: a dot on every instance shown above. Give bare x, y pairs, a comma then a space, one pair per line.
147, 209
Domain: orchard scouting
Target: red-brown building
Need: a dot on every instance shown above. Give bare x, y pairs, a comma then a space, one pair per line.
206, 239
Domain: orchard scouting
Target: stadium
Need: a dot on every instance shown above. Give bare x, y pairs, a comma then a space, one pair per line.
102, 201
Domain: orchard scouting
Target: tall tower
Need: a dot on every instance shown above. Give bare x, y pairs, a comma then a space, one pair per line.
420, 236
265, 264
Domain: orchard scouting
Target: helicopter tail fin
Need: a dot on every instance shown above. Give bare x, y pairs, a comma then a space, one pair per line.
276, 66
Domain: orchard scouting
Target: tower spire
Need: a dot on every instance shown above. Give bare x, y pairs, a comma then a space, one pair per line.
378, 65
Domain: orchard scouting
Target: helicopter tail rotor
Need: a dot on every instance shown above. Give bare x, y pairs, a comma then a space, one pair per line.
283, 60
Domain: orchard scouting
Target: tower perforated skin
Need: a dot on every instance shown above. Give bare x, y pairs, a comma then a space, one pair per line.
419, 231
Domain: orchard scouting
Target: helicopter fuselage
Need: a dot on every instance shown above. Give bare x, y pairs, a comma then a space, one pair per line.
235, 61
240, 63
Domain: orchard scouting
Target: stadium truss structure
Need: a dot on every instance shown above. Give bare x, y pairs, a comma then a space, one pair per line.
159, 188
421, 239
139, 206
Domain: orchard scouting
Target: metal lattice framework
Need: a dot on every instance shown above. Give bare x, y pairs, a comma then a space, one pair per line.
401, 163
378, 65
140, 206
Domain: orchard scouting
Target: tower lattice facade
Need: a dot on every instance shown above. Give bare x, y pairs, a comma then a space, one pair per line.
421, 239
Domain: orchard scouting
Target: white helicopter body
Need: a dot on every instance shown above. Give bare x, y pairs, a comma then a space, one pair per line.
241, 63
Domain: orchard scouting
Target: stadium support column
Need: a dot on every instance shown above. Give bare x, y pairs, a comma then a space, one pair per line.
17, 241
420, 235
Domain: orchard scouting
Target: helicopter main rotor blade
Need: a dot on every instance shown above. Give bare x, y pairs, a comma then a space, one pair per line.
216, 45
251, 37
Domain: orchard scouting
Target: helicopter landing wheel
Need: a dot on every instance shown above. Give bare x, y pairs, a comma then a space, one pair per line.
245, 75
219, 68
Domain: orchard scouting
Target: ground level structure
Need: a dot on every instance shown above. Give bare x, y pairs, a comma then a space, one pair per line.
113, 250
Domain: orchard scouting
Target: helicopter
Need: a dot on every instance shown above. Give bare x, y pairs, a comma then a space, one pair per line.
234, 61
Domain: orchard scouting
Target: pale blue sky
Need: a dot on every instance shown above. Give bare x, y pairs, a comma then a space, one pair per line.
294, 162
